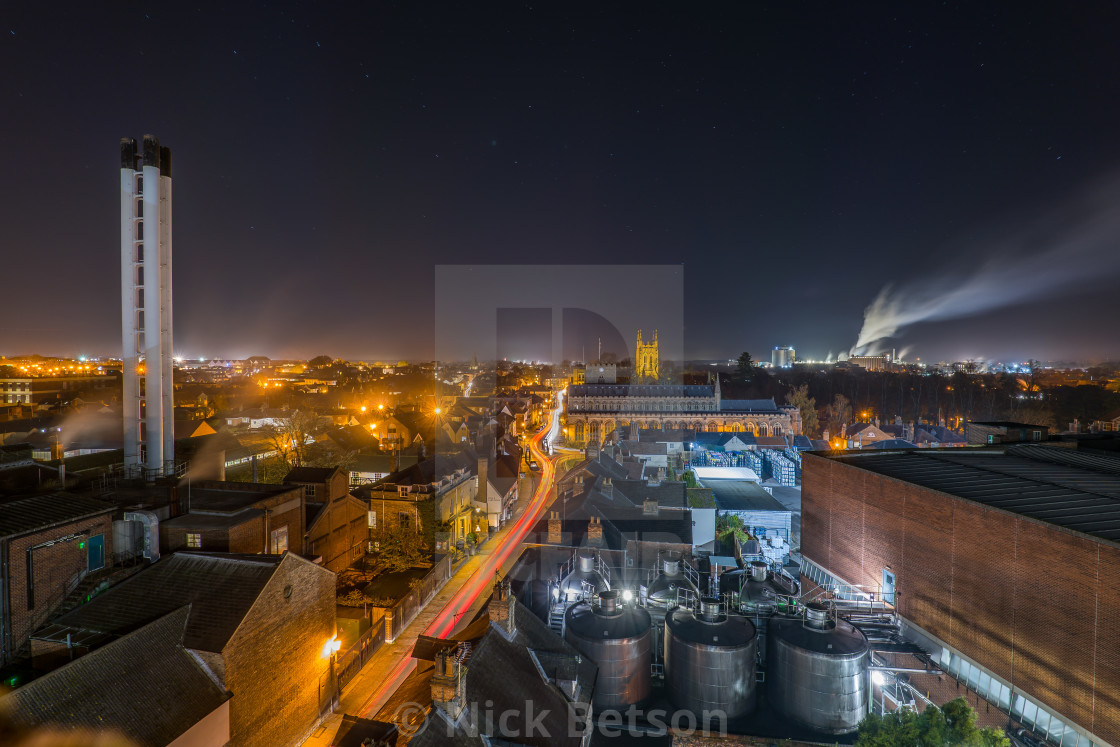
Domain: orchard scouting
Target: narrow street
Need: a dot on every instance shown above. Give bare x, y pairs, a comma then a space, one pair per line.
454, 605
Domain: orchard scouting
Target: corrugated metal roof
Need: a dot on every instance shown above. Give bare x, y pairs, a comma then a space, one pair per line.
1058, 486
25, 515
220, 589
144, 685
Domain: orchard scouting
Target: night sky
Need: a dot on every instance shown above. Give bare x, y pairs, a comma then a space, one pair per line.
795, 158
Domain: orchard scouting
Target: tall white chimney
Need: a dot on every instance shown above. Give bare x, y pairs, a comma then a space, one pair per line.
146, 307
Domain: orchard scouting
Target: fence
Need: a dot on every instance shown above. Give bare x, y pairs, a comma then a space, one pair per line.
351, 661
401, 614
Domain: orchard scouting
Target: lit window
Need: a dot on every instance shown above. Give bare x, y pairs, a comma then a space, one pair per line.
194, 540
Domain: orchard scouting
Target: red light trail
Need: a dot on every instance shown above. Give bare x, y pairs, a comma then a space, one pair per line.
484, 577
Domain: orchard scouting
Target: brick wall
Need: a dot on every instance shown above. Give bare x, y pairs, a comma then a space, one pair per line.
1033, 603
342, 526
274, 660
53, 567
246, 537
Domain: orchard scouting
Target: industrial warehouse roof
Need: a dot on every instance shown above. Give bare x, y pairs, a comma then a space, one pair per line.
220, 589
41, 511
1056, 485
144, 685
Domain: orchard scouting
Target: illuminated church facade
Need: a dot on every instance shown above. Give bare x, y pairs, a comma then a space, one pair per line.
594, 411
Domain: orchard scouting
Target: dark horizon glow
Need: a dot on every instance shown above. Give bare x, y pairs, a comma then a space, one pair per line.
796, 160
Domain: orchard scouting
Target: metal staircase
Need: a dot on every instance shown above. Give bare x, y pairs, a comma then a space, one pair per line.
556, 618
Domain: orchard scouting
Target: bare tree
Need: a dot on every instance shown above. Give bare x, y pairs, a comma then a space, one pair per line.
291, 437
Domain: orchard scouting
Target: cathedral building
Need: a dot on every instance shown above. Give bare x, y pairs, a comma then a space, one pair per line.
647, 360
593, 411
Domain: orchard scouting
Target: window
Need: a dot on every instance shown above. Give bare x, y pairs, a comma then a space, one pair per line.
1038, 435
311, 490
194, 540
404, 520
139, 184
139, 229
372, 519
279, 544
139, 208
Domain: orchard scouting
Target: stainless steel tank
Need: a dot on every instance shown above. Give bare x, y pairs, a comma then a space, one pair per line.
710, 661
617, 639
662, 592
584, 581
816, 670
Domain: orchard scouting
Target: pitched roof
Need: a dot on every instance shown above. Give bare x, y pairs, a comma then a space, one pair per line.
641, 390
511, 673
748, 405
145, 685
24, 515
220, 587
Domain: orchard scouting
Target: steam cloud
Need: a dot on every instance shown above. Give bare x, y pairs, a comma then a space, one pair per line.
1078, 243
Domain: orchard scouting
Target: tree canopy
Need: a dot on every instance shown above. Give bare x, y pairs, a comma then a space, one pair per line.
746, 366
950, 725
810, 422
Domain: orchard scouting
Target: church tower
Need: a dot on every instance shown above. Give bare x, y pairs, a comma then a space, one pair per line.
647, 360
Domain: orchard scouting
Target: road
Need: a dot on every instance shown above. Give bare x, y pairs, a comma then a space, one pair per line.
482, 577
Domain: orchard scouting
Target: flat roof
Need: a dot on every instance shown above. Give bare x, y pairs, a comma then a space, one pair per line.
1055, 485
213, 521
715, 474
214, 495
743, 495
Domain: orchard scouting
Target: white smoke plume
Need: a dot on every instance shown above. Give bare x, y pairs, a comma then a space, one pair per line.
1077, 244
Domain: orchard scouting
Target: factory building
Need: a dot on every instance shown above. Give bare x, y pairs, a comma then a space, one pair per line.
1002, 564
146, 308
783, 357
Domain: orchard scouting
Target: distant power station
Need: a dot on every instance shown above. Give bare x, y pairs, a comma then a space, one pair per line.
149, 449
783, 357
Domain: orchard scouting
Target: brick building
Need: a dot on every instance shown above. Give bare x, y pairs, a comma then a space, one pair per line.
237, 517
320, 484
336, 523
1004, 565
48, 543
259, 624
